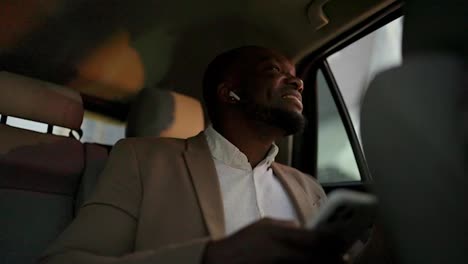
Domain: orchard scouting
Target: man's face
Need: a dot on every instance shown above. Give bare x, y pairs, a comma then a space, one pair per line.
271, 90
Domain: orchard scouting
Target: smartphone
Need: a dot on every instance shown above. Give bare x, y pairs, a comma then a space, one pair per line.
348, 214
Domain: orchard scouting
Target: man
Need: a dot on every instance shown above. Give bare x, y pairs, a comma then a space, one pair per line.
218, 197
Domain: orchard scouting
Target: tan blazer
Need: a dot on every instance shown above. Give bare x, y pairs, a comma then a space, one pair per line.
158, 201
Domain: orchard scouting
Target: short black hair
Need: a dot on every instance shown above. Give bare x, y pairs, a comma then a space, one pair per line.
217, 71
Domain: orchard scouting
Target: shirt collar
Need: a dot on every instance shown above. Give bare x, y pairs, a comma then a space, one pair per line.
225, 152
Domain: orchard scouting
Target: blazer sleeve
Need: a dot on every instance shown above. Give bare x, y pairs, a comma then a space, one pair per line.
105, 228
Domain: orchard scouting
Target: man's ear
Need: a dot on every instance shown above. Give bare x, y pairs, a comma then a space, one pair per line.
223, 93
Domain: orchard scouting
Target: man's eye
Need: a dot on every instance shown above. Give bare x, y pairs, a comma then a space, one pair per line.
275, 69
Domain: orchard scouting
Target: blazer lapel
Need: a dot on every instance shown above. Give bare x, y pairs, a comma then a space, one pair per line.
205, 180
296, 193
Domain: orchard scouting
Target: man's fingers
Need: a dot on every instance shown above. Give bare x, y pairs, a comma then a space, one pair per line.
309, 255
277, 224
289, 232
280, 223
303, 239
297, 237
273, 241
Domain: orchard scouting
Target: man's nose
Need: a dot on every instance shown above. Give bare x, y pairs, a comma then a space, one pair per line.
297, 83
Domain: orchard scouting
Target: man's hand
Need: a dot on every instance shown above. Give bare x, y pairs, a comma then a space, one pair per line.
275, 241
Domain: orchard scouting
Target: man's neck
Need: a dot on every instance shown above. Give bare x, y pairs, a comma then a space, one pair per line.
252, 139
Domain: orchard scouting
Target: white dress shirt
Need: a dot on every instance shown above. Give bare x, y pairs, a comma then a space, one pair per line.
248, 194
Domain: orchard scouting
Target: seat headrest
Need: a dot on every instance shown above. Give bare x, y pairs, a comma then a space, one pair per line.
188, 119
40, 101
164, 113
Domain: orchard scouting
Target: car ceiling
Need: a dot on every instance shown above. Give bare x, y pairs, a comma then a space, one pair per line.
110, 50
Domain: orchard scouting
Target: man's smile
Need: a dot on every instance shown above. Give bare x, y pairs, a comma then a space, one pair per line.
294, 96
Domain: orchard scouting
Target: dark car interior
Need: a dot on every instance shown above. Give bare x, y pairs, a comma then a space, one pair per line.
82, 71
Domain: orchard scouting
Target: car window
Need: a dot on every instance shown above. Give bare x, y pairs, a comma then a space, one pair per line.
355, 66
352, 67
100, 129
335, 160
38, 126
95, 128
26, 124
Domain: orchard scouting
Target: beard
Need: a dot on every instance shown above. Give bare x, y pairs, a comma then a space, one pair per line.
289, 121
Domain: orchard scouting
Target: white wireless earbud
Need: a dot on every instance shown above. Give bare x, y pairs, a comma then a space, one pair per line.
234, 95
301, 82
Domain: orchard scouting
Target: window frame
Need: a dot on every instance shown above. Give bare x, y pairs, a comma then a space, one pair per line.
354, 34
347, 123
3, 119
317, 60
